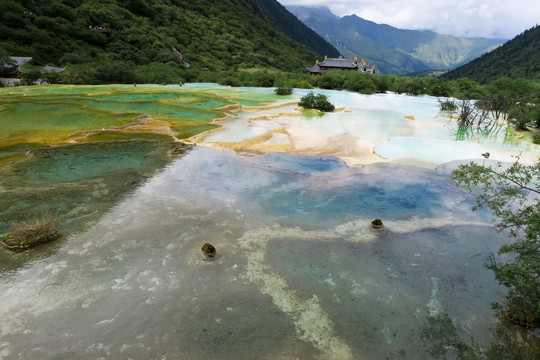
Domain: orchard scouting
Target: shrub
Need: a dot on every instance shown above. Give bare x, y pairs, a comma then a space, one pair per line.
283, 90
319, 102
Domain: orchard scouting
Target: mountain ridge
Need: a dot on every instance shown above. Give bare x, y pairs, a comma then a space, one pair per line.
394, 51
295, 28
224, 35
518, 58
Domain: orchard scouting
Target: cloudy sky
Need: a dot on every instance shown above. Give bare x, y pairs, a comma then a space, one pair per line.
484, 18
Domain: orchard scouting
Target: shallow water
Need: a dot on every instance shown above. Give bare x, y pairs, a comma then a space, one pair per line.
300, 273
391, 126
77, 183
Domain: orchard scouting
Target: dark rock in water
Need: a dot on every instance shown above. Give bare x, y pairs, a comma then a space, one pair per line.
209, 250
486, 155
377, 223
179, 148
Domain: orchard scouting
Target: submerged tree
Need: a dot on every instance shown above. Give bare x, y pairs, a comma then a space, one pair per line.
283, 90
471, 115
447, 105
445, 340
513, 194
441, 334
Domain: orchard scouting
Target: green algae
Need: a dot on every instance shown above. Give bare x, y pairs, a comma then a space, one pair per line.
122, 136
78, 182
52, 114
76, 151
78, 163
16, 151
27, 120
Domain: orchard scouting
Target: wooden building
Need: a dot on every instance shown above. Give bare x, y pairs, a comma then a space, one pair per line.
18, 61
340, 64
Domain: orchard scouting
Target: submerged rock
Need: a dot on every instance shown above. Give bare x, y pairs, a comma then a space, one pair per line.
15, 244
209, 250
32, 233
377, 223
179, 148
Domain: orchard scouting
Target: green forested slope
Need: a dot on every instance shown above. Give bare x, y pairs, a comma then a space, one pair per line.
115, 36
519, 58
295, 28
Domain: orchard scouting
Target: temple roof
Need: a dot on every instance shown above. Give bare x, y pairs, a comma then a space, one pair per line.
340, 63
20, 60
315, 69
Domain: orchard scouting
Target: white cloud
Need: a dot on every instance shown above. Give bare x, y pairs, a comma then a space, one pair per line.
483, 18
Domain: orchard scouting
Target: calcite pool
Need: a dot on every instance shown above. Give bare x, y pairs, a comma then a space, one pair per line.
299, 272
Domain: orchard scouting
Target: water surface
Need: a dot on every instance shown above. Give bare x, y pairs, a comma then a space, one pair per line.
299, 271
299, 274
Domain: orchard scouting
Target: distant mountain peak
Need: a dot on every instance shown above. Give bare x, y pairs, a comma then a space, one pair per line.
305, 12
393, 50
296, 29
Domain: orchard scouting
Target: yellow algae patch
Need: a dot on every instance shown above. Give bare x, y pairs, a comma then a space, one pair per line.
144, 124
199, 138
230, 107
260, 143
311, 141
182, 100
271, 148
269, 107
246, 144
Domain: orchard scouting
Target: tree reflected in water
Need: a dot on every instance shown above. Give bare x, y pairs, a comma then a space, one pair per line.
445, 340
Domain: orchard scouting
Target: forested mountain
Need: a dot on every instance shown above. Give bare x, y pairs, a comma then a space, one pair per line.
519, 58
115, 34
392, 50
295, 28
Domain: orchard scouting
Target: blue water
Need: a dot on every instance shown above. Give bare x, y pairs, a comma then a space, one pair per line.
299, 271
302, 164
